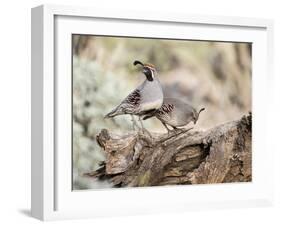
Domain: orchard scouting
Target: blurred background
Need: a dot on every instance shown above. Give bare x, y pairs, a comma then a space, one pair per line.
214, 75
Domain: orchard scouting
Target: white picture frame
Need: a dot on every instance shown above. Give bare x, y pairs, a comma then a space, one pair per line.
52, 195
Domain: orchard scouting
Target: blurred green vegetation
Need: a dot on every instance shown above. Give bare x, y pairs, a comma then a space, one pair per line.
214, 75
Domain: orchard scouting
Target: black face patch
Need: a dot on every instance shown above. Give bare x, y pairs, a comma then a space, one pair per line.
148, 73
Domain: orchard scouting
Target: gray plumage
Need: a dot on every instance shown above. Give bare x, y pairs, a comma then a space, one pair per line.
175, 113
146, 98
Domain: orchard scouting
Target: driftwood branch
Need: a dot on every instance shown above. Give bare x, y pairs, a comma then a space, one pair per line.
221, 154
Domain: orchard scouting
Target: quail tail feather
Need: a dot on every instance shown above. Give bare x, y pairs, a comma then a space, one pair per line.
148, 116
109, 115
202, 109
113, 113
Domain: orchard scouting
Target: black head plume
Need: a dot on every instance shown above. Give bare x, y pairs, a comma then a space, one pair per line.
136, 62
202, 109
196, 115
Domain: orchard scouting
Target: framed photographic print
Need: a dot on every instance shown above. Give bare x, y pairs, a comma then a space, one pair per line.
134, 112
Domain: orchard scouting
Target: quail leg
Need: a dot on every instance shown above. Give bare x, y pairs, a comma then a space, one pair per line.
144, 129
164, 124
175, 132
170, 134
135, 125
176, 129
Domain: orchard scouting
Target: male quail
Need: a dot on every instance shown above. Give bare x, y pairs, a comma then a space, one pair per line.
175, 113
146, 98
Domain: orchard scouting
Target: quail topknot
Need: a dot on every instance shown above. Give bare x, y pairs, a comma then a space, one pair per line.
146, 98
175, 113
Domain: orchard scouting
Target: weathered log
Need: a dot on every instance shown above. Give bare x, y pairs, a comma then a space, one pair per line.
221, 154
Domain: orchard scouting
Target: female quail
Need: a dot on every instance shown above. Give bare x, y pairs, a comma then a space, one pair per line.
146, 98
175, 113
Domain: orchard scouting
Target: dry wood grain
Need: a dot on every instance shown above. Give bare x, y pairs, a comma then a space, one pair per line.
221, 154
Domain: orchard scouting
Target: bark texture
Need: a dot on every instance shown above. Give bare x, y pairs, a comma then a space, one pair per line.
221, 154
